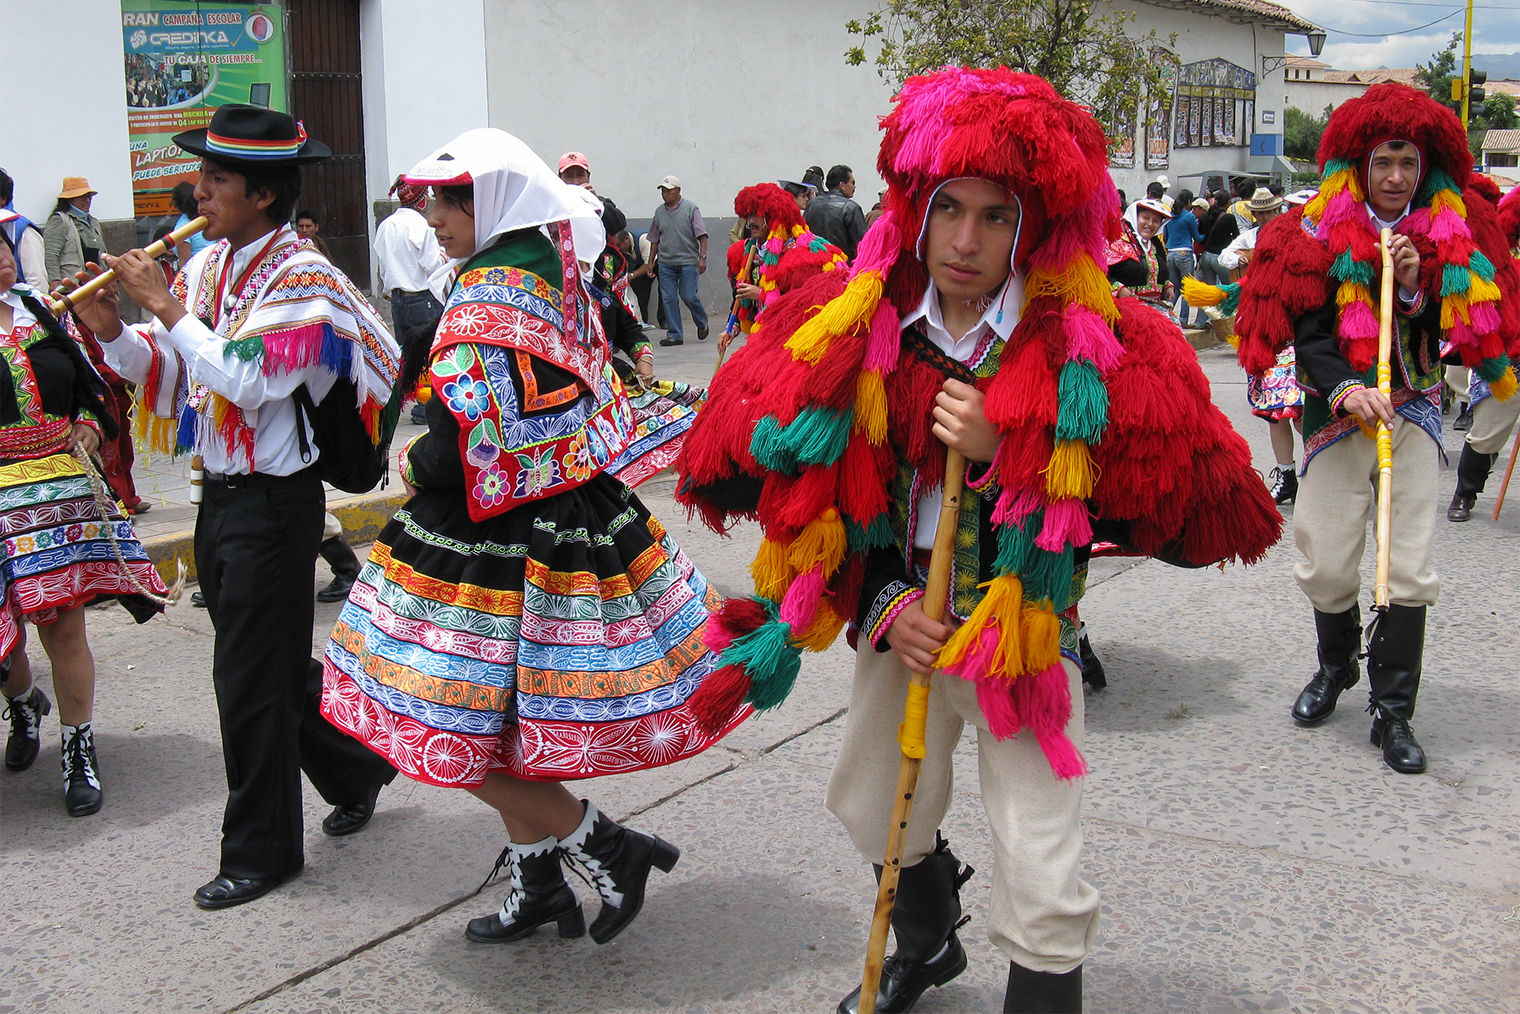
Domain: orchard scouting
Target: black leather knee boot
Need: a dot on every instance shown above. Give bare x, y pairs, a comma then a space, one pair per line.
1339, 635
1394, 661
1472, 475
924, 921
1031, 992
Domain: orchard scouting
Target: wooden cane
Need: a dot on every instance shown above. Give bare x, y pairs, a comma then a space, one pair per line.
911, 734
1504, 486
63, 302
1384, 434
732, 327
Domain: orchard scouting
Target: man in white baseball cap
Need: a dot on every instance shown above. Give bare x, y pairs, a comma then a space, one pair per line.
678, 246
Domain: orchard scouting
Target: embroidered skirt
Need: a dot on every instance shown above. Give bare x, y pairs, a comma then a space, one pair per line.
58, 552
662, 413
560, 640
1276, 395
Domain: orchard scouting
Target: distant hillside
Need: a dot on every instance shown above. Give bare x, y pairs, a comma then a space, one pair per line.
1499, 67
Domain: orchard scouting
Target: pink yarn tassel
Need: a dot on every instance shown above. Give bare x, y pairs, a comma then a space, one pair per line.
1342, 208
801, 601
1066, 523
885, 341
1013, 506
1448, 225
995, 698
1459, 335
1485, 317
1044, 699
977, 662
1088, 336
879, 247
715, 635
1357, 321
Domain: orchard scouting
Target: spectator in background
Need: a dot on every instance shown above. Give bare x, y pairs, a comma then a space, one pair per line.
1219, 228
678, 246
640, 271
31, 261
1180, 233
71, 239
834, 215
307, 228
406, 255
1164, 184
1241, 209
801, 192
814, 180
183, 199
876, 209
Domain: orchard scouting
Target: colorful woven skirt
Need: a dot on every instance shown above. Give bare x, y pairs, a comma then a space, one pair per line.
1276, 395
58, 552
560, 640
662, 413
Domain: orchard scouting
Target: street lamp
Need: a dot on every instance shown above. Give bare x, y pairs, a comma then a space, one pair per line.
1316, 42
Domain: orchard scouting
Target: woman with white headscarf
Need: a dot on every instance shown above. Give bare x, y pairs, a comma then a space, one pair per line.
523, 620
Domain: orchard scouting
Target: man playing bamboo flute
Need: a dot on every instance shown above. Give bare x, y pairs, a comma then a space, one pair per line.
1395, 159
975, 316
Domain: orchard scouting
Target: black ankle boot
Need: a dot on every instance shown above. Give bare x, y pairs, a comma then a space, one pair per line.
25, 713
619, 861
1282, 484
82, 794
1472, 475
1339, 636
1394, 661
924, 920
537, 894
1032, 992
1092, 666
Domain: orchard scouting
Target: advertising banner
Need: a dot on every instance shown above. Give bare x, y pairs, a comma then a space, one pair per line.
183, 60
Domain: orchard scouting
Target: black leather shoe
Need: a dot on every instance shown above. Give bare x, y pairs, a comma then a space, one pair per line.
25, 714
1031, 992
702, 333
1401, 751
350, 817
1461, 508
668, 342
1338, 636
82, 793
225, 892
1464, 418
336, 591
904, 981
198, 600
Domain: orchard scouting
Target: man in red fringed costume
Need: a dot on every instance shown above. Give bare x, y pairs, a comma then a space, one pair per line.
976, 316
1395, 159
780, 250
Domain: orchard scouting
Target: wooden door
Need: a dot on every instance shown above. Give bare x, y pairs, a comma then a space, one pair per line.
326, 95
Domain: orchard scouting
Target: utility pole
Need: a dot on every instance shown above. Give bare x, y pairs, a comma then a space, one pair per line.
1467, 66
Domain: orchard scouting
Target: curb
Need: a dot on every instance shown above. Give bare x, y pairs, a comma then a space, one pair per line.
362, 518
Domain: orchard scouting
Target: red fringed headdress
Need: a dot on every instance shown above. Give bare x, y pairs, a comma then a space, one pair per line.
1332, 248
803, 411
789, 254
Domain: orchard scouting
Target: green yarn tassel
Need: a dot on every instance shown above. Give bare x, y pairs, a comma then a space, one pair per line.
1492, 369
771, 661
770, 449
1082, 409
817, 436
1231, 301
1455, 280
1481, 265
1016, 543
1435, 181
876, 535
1336, 165
1349, 270
1048, 576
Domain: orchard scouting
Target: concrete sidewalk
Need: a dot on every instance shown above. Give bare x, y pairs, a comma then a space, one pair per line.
1245, 864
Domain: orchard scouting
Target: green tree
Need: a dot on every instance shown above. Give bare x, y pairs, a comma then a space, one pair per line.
1301, 133
1499, 112
1443, 68
1079, 46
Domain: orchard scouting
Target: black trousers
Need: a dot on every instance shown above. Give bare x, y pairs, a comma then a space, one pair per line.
256, 544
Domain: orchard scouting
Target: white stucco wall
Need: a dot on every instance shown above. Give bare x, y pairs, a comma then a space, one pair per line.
721, 94
63, 62
1313, 96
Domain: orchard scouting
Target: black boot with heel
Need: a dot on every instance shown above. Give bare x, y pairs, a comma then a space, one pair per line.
538, 895
1394, 660
1472, 475
619, 860
1340, 638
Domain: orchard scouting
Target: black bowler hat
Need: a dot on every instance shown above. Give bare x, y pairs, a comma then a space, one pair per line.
242, 135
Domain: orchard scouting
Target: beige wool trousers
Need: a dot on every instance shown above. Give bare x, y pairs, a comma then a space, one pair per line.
1044, 916
1493, 420
1337, 501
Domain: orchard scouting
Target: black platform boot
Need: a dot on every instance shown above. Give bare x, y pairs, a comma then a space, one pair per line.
1394, 660
82, 793
1092, 666
924, 920
1339, 636
537, 895
1032, 992
25, 713
619, 861
1472, 475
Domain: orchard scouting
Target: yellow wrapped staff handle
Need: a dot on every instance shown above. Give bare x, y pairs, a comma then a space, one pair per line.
911, 733
1384, 434
63, 302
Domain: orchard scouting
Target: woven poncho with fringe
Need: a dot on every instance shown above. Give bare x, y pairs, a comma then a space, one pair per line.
788, 255
1330, 251
1101, 405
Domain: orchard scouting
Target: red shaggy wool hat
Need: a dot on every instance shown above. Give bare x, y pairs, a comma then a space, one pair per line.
766, 199
1396, 112
1509, 217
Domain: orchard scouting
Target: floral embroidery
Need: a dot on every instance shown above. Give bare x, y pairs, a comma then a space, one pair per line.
468, 397
579, 462
491, 486
537, 474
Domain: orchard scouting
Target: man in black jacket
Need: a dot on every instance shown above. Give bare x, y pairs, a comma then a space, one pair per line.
833, 215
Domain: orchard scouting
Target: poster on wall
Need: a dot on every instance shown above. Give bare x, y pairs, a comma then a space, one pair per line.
1158, 130
183, 60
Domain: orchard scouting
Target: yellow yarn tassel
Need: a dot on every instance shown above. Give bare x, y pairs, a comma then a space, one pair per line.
1000, 608
1481, 290
1453, 307
158, 434
1333, 184
1080, 281
821, 542
1201, 293
772, 575
1448, 199
871, 407
823, 630
1041, 632
1352, 292
852, 307
1504, 388
1069, 476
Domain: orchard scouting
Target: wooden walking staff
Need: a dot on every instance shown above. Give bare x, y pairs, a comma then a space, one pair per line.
63, 302
911, 733
1384, 434
732, 327
1514, 452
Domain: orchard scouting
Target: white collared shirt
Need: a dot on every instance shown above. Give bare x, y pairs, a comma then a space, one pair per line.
406, 251
1000, 318
265, 399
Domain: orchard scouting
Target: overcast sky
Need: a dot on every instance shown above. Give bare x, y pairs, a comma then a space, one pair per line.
1496, 29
